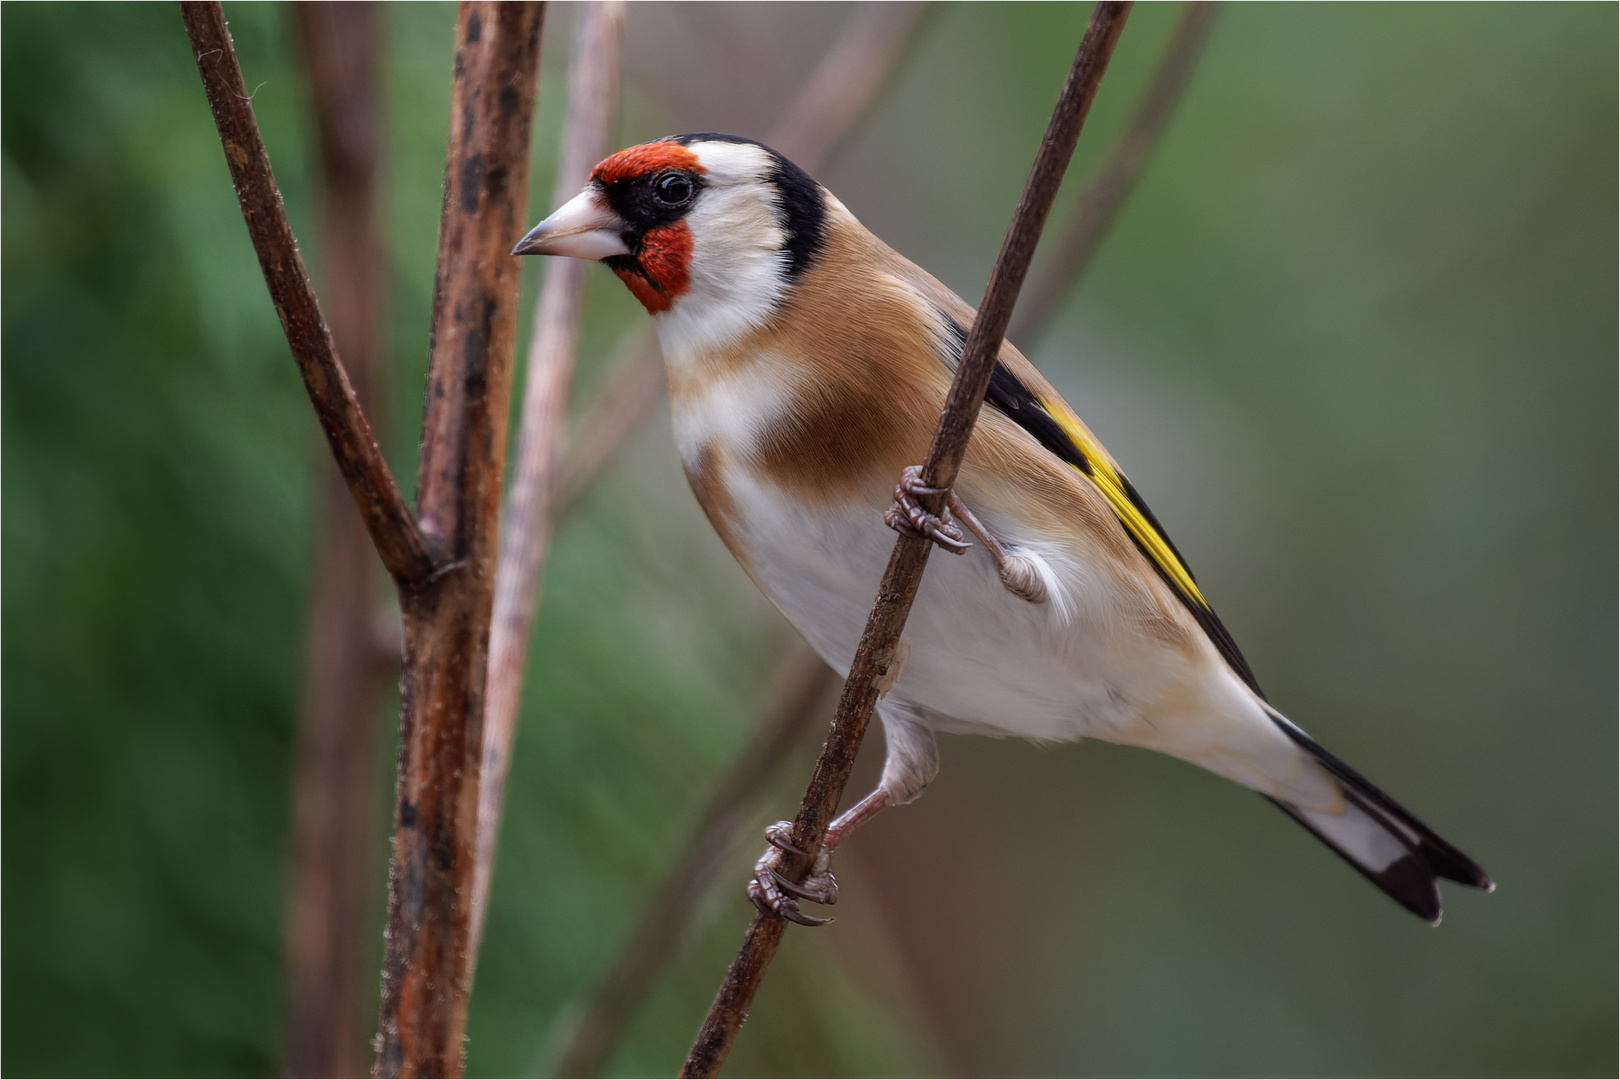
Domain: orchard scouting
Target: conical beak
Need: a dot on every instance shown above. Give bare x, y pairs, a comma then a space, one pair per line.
584, 227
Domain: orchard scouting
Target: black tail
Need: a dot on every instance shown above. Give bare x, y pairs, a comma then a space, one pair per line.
1382, 840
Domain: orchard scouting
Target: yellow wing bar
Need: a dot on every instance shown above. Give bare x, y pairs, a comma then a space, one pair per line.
1127, 505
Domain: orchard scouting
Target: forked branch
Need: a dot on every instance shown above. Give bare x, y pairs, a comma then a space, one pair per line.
910, 556
475, 299
445, 599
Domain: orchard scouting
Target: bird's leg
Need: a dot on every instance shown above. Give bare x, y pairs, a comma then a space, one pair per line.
1018, 571
906, 514
775, 894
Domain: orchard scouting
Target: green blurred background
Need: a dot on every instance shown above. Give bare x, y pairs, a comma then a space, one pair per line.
1354, 337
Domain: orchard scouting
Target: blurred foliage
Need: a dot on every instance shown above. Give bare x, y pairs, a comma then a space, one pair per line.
1355, 338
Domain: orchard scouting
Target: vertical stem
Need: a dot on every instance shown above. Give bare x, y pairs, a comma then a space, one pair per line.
424, 995
335, 814
531, 505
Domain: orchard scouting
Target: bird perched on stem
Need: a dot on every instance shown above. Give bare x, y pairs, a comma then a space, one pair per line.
808, 363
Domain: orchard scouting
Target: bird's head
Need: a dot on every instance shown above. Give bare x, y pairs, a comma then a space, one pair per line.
705, 229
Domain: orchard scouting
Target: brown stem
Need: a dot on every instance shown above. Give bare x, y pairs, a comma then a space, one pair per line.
475, 297
1113, 183
799, 692
334, 877
592, 104
405, 551
446, 603
904, 573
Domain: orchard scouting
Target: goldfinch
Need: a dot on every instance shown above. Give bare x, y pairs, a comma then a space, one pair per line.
808, 363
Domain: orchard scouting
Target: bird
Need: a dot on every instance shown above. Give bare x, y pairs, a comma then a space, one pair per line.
807, 365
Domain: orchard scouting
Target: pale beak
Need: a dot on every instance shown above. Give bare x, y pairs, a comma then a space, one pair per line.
584, 227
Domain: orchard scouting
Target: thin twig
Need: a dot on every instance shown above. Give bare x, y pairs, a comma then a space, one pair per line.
801, 688
829, 103
592, 104
910, 556
334, 878
405, 551
1113, 183
475, 301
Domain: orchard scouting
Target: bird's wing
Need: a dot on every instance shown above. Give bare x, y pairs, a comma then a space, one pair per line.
1046, 417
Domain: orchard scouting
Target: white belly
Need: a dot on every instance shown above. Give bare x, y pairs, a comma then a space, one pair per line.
984, 661
981, 659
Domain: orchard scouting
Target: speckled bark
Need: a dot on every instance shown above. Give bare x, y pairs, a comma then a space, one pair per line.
424, 998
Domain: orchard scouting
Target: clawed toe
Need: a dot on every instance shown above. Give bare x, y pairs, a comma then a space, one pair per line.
778, 837
774, 894
770, 901
819, 888
906, 514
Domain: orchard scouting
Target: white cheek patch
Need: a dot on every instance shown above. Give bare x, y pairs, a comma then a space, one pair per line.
738, 268
736, 273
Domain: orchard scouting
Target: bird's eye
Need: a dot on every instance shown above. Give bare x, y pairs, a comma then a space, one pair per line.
672, 189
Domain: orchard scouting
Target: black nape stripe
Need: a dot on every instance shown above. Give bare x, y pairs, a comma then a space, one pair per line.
804, 211
1015, 401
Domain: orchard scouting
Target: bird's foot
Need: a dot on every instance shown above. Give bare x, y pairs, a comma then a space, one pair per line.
906, 514
775, 895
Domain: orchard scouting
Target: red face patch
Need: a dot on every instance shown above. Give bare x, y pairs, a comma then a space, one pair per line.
638, 161
662, 275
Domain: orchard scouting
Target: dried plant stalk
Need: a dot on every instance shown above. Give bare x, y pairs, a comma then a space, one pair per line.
475, 298
1113, 183
442, 556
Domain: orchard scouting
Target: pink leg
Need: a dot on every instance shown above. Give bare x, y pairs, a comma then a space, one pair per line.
1017, 572
906, 515
853, 818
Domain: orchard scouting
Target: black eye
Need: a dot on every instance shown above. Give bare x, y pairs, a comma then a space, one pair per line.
672, 189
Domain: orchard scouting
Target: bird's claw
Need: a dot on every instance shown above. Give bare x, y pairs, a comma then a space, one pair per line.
779, 836
774, 894
906, 514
